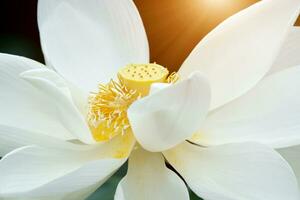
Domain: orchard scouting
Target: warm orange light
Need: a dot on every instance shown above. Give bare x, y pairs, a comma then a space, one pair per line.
224, 4
217, 1
174, 27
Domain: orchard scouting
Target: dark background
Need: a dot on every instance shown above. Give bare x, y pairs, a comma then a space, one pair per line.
18, 28
173, 27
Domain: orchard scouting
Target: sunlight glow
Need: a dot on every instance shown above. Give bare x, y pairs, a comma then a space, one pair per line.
218, 3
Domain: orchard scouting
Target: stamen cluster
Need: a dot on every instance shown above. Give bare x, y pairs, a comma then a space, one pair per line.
108, 109
173, 77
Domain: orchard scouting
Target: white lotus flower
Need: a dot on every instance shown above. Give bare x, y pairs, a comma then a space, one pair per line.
56, 148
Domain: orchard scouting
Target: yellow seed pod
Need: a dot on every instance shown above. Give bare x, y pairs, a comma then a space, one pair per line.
139, 77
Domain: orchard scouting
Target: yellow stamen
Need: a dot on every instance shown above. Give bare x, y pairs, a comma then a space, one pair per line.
107, 115
173, 77
108, 110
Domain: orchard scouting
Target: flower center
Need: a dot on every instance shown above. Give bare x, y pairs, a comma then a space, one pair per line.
107, 115
140, 77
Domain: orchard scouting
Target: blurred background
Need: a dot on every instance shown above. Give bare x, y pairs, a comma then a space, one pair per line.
173, 27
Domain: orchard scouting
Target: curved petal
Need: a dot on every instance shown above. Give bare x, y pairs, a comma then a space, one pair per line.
79, 97
168, 116
12, 138
158, 86
289, 53
241, 50
292, 156
24, 106
88, 41
268, 114
57, 173
54, 87
149, 178
246, 171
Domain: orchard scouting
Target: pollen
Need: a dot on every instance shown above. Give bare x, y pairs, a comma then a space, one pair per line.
107, 115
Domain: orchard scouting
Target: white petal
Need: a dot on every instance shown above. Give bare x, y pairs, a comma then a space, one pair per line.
79, 97
12, 138
241, 50
54, 87
148, 178
24, 106
58, 173
292, 156
43, 169
158, 86
88, 41
289, 53
247, 171
268, 114
169, 116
